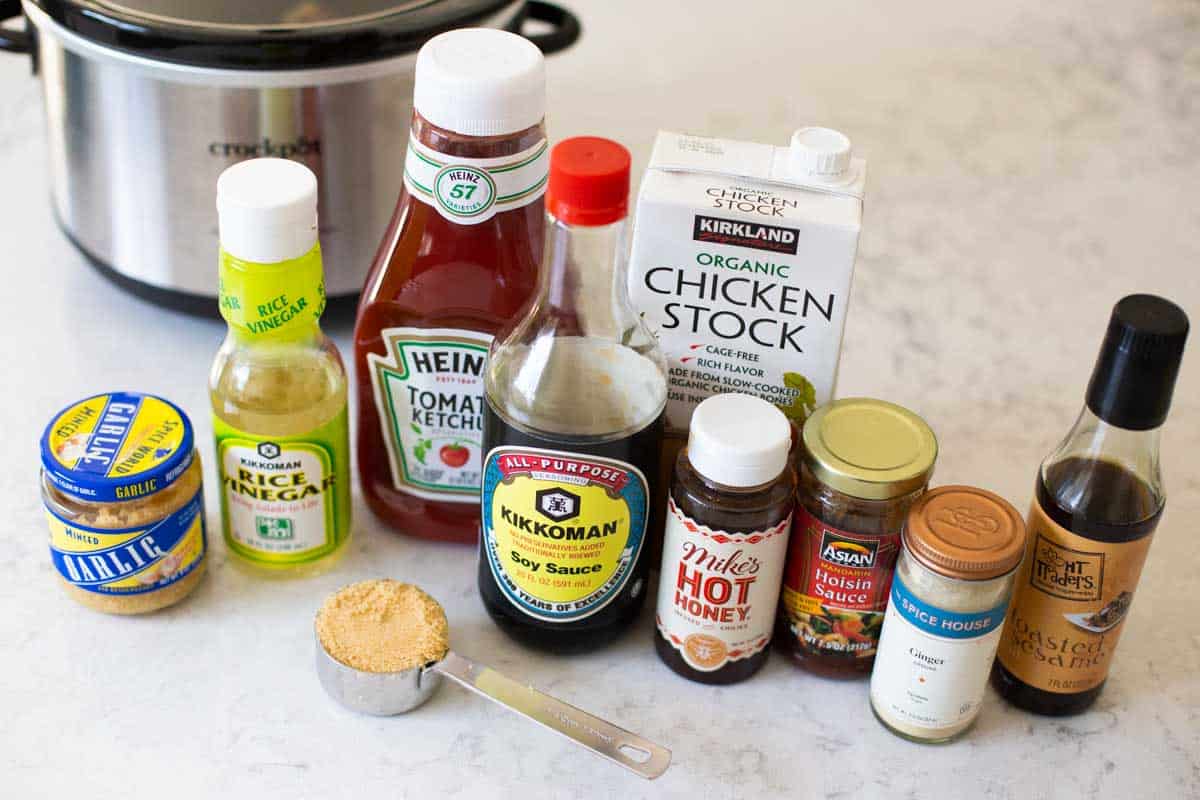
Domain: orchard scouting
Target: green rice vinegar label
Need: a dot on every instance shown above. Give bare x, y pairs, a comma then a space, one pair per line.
285, 499
429, 397
561, 531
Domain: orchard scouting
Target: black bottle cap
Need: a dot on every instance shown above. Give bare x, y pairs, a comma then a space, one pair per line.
1135, 373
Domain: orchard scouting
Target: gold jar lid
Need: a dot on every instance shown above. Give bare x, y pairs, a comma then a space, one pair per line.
965, 533
869, 448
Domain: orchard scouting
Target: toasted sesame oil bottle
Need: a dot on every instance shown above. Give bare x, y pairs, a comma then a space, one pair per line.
573, 424
278, 387
1098, 499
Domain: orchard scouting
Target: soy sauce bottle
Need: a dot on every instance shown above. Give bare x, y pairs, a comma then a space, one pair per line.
1099, 498
573, 424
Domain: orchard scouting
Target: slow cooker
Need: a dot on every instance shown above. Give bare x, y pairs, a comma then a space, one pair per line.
147, 101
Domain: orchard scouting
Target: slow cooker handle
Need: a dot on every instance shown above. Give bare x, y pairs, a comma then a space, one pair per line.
566, 27
11, 40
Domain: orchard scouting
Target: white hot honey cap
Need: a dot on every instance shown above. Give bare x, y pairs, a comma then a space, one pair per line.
267, 210
739, 440
480, 82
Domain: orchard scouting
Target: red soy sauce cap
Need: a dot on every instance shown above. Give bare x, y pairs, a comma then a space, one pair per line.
589, 181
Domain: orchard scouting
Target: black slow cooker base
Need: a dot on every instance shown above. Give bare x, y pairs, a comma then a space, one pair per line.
339, 308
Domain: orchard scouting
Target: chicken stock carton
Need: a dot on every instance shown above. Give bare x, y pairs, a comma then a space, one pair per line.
741, 265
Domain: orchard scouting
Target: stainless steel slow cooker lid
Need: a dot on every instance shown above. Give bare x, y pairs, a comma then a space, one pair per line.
270, 34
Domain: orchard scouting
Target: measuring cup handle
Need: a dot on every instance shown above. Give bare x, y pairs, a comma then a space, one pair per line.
605, 739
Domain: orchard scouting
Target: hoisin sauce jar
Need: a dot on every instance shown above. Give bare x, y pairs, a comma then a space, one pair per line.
863, 463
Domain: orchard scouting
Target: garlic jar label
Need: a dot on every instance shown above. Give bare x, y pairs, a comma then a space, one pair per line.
932, 664
718, 590
131, 560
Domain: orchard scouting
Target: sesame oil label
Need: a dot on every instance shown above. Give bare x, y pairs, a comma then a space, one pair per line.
1072, 597
561, 531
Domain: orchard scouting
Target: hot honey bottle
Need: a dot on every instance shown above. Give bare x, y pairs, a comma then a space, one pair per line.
729, 513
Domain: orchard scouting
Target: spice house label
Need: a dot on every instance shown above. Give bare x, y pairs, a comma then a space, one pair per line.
933, 663
429, 394
561, 532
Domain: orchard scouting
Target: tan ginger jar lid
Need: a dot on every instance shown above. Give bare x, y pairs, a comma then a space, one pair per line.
966, 533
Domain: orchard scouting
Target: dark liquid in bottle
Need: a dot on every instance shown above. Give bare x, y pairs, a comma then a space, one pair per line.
641, 450
1099, 500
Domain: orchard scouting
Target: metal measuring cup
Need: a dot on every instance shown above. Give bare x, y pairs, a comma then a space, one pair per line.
388, 693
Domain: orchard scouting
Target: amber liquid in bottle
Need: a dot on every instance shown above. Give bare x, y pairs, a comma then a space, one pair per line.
431, 272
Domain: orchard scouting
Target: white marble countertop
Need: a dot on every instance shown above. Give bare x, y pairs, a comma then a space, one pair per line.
1030, 163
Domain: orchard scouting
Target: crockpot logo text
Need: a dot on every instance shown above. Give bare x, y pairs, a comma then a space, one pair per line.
303, 146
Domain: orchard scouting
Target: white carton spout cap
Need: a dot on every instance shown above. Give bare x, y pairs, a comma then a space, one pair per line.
821, 154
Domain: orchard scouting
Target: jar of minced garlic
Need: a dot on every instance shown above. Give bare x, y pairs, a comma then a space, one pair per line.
121, 483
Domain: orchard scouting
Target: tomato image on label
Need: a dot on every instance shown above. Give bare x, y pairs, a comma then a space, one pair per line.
562, 532
454, 455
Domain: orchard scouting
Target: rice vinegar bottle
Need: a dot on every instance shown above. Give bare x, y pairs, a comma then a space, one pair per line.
573, 424
278, 387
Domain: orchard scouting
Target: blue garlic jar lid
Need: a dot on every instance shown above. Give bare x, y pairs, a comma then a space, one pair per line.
117, 446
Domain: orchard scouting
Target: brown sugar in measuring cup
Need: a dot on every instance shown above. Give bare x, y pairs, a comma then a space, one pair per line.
383, 648
383, 626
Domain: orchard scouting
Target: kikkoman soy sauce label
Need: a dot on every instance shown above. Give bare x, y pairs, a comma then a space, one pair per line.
469, 191
562, 531
285, 499
429, 394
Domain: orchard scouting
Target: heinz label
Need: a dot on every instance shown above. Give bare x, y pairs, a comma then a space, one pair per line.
718, 590
835, 587
429, 394
561, 531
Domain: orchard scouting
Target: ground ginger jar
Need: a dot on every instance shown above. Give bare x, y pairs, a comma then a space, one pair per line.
122, 488
949, 597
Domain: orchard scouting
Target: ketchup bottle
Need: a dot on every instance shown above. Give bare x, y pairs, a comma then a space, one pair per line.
460, 257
